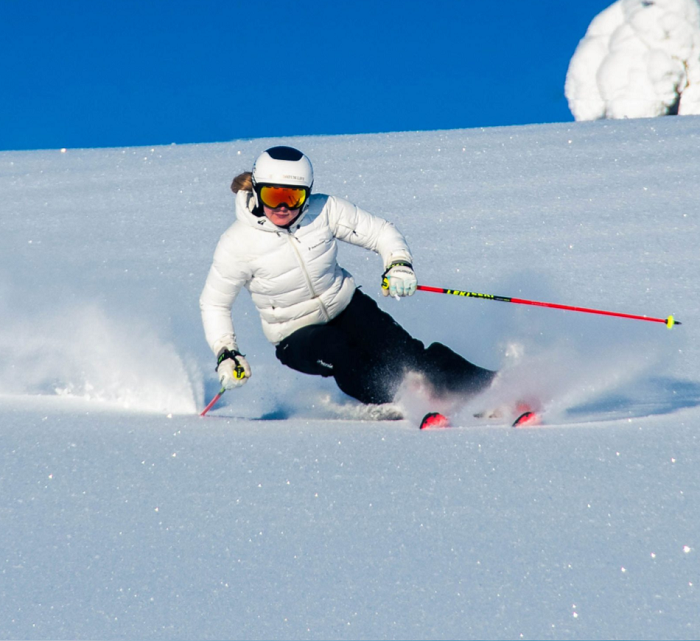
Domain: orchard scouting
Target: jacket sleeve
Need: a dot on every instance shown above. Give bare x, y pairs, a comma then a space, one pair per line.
354, 225
229, 272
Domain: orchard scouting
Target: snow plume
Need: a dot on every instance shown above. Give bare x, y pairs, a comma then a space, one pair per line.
81, 351
571, 359
638, 59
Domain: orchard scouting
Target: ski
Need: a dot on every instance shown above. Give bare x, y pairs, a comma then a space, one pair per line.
434, 420
527, 419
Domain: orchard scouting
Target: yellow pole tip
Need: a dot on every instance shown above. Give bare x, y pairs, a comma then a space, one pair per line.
670, 322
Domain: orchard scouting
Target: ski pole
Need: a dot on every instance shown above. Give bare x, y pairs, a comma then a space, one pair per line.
669, 322
213, 401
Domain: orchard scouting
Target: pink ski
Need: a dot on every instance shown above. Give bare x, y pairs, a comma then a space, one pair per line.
434, 420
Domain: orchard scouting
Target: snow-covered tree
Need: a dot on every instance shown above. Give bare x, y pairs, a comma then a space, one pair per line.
638, 59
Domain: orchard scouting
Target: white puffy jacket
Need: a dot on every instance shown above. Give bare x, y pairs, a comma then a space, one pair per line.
292, 274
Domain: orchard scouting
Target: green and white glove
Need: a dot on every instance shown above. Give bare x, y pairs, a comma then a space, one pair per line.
233, 368
399, 280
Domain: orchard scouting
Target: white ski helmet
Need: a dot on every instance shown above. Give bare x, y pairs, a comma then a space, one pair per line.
283, 166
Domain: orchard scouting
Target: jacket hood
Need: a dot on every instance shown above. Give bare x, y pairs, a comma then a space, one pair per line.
245, 203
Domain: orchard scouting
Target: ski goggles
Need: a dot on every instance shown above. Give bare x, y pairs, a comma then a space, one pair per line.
274, 196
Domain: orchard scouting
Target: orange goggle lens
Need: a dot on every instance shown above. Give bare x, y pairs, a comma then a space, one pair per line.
292, 197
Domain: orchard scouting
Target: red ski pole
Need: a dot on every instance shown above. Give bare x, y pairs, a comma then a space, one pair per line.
213, 401
669, 322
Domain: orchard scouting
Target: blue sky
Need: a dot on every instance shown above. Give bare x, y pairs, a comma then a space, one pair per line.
103, 73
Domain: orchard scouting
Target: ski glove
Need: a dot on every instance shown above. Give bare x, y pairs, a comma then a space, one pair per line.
233, 368
399, 280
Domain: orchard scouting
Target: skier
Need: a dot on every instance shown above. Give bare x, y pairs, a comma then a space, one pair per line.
283, 249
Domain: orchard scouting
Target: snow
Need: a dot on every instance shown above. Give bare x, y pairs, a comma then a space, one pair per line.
638, 59
282, 515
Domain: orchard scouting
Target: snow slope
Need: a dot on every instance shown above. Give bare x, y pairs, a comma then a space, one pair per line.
125, 515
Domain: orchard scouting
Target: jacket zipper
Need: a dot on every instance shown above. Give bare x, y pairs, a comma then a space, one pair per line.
302, 264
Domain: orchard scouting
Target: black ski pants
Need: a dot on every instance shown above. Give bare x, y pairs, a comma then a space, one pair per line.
368, 353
